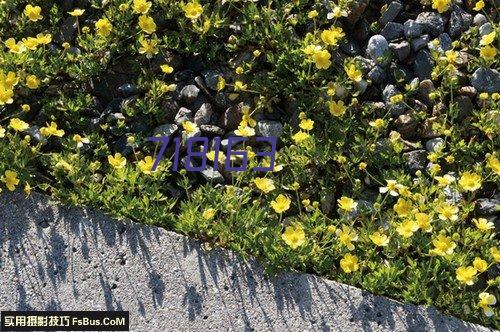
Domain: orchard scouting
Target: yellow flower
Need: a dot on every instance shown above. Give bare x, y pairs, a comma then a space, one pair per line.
168, 87
312, 14
443, 245
353, 72
117, 161
189, 127
495, 253
441, 5
8, 81
407, 228
466, 274
193, 10
332, 36
147, 24
221, 157
245, 131
403, 207
483, 224
63, 164
362, 166
32, 82
148, 47
447, 212
103, 27
444, 181
208, 214
264, 185
146, 165
322, 59
423, 221
488, 52
488, 39
33, 13
379, 239
141, 6
221, 83
44, 38
239, 86
479, 5
281, 203
300, 137
294, 236
486, 300
52, 130
80, 140
377, 123
396, 98
10, 179
480, 264
347, 236
16, 48
336, 108
77, 12
18, 125
392, 188
470, 181
167, 69
349, 263
2, 132
493, 163
30, 43
6, 95
306, 124
347, 204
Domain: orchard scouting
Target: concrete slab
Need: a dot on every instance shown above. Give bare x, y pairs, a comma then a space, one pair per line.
62, 258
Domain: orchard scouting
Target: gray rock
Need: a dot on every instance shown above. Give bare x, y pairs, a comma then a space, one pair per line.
485, 29
232, 117
400, 50
211, 78
415, 160
390, 13
34, 133
452, 196
361, 86
460, 21
406, 124
423, 65
424, 89
426, 130
468, 91
389, 91
183, 115
349, 47
392, 31
378, 49
67, 31
212, 130
487, 206
464, 106
434, 144
377, 75
267, 128
479, 19
189, 93
165, 130
432, 23
203, 115
361, 31
444, 43
486, 80
412, 29
419, 43
212, 175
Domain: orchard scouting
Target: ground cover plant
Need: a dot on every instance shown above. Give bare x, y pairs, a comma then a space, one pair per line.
387, 114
